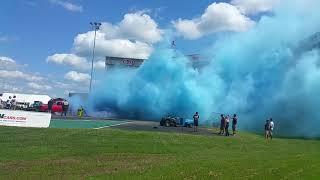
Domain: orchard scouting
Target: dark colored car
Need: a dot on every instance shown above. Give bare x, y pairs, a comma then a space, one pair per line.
174, 121
35, 106
170, 121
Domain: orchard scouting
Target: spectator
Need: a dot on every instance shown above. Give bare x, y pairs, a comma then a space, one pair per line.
234, 124
266, 129
222, 124
227, 121
80, 112
65, 107
13, 103
1, 104
50, 104
8, 104
195, 121
271, 128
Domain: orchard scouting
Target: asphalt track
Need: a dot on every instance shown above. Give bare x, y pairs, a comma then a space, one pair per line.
124, 124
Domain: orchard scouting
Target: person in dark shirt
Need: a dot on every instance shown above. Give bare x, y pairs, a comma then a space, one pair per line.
267, 129
50, 103
234, 124
222, 124
196, 121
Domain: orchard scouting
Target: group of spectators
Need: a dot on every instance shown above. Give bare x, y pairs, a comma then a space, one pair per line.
10, 103
268, 128
225, 123
64, 106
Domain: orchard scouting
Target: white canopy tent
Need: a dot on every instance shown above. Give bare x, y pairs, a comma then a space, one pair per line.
25, 98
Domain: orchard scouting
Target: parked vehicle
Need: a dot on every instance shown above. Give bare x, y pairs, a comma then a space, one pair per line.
174, 121
36, 106
56, 106
170, 121
22, 105
188, 123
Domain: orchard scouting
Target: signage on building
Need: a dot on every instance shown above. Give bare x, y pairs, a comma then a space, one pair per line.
118, 61
196, 61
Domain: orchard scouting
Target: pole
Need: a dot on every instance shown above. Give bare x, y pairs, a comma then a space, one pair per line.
93, 53
96, 27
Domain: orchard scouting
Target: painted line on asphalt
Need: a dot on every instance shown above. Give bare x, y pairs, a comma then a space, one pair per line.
113, 125
85, 120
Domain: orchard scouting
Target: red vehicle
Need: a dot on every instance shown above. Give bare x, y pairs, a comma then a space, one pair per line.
56, 106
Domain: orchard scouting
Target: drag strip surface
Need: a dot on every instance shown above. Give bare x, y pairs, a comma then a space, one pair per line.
155, 127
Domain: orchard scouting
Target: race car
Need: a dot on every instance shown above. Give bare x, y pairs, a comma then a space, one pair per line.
174, 121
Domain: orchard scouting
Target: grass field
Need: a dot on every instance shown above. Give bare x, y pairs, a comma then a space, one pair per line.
52, 153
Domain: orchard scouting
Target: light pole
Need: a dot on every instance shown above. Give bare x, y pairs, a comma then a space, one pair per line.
95, 26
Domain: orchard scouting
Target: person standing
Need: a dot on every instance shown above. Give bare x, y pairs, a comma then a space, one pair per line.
8, 104
50, 104
227, 125
271, 125
13, 103
266, 129
234, 124
222, 124
196, 121
65, 107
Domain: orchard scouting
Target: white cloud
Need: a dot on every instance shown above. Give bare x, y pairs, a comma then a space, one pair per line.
77, 77
38, 86
251, 7
75, 61
137, 26
100, 64
188, 28
110, 47
132, 37
7, 63
68, 5
7, 59
19, 75
217, 17
7, 87
69, 59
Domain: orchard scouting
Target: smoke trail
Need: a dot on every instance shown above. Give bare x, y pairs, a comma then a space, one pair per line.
266, 72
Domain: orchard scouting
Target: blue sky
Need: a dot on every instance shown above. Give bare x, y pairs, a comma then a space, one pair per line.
32, 31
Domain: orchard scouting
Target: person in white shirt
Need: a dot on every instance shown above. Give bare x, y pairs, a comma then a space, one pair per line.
13, 103
271, 123
227, 121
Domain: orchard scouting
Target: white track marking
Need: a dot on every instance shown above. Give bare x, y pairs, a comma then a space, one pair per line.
113, 125
73, 120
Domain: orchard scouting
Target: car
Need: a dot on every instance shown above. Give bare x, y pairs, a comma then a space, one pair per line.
35, 106
170, 121
174, 121
22, 105
188, 123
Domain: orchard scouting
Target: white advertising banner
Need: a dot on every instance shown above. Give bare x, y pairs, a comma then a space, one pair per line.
24, 118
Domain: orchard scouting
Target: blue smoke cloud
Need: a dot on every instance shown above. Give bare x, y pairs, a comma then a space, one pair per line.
266, 72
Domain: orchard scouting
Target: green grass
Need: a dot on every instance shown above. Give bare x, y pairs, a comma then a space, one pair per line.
114, 154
